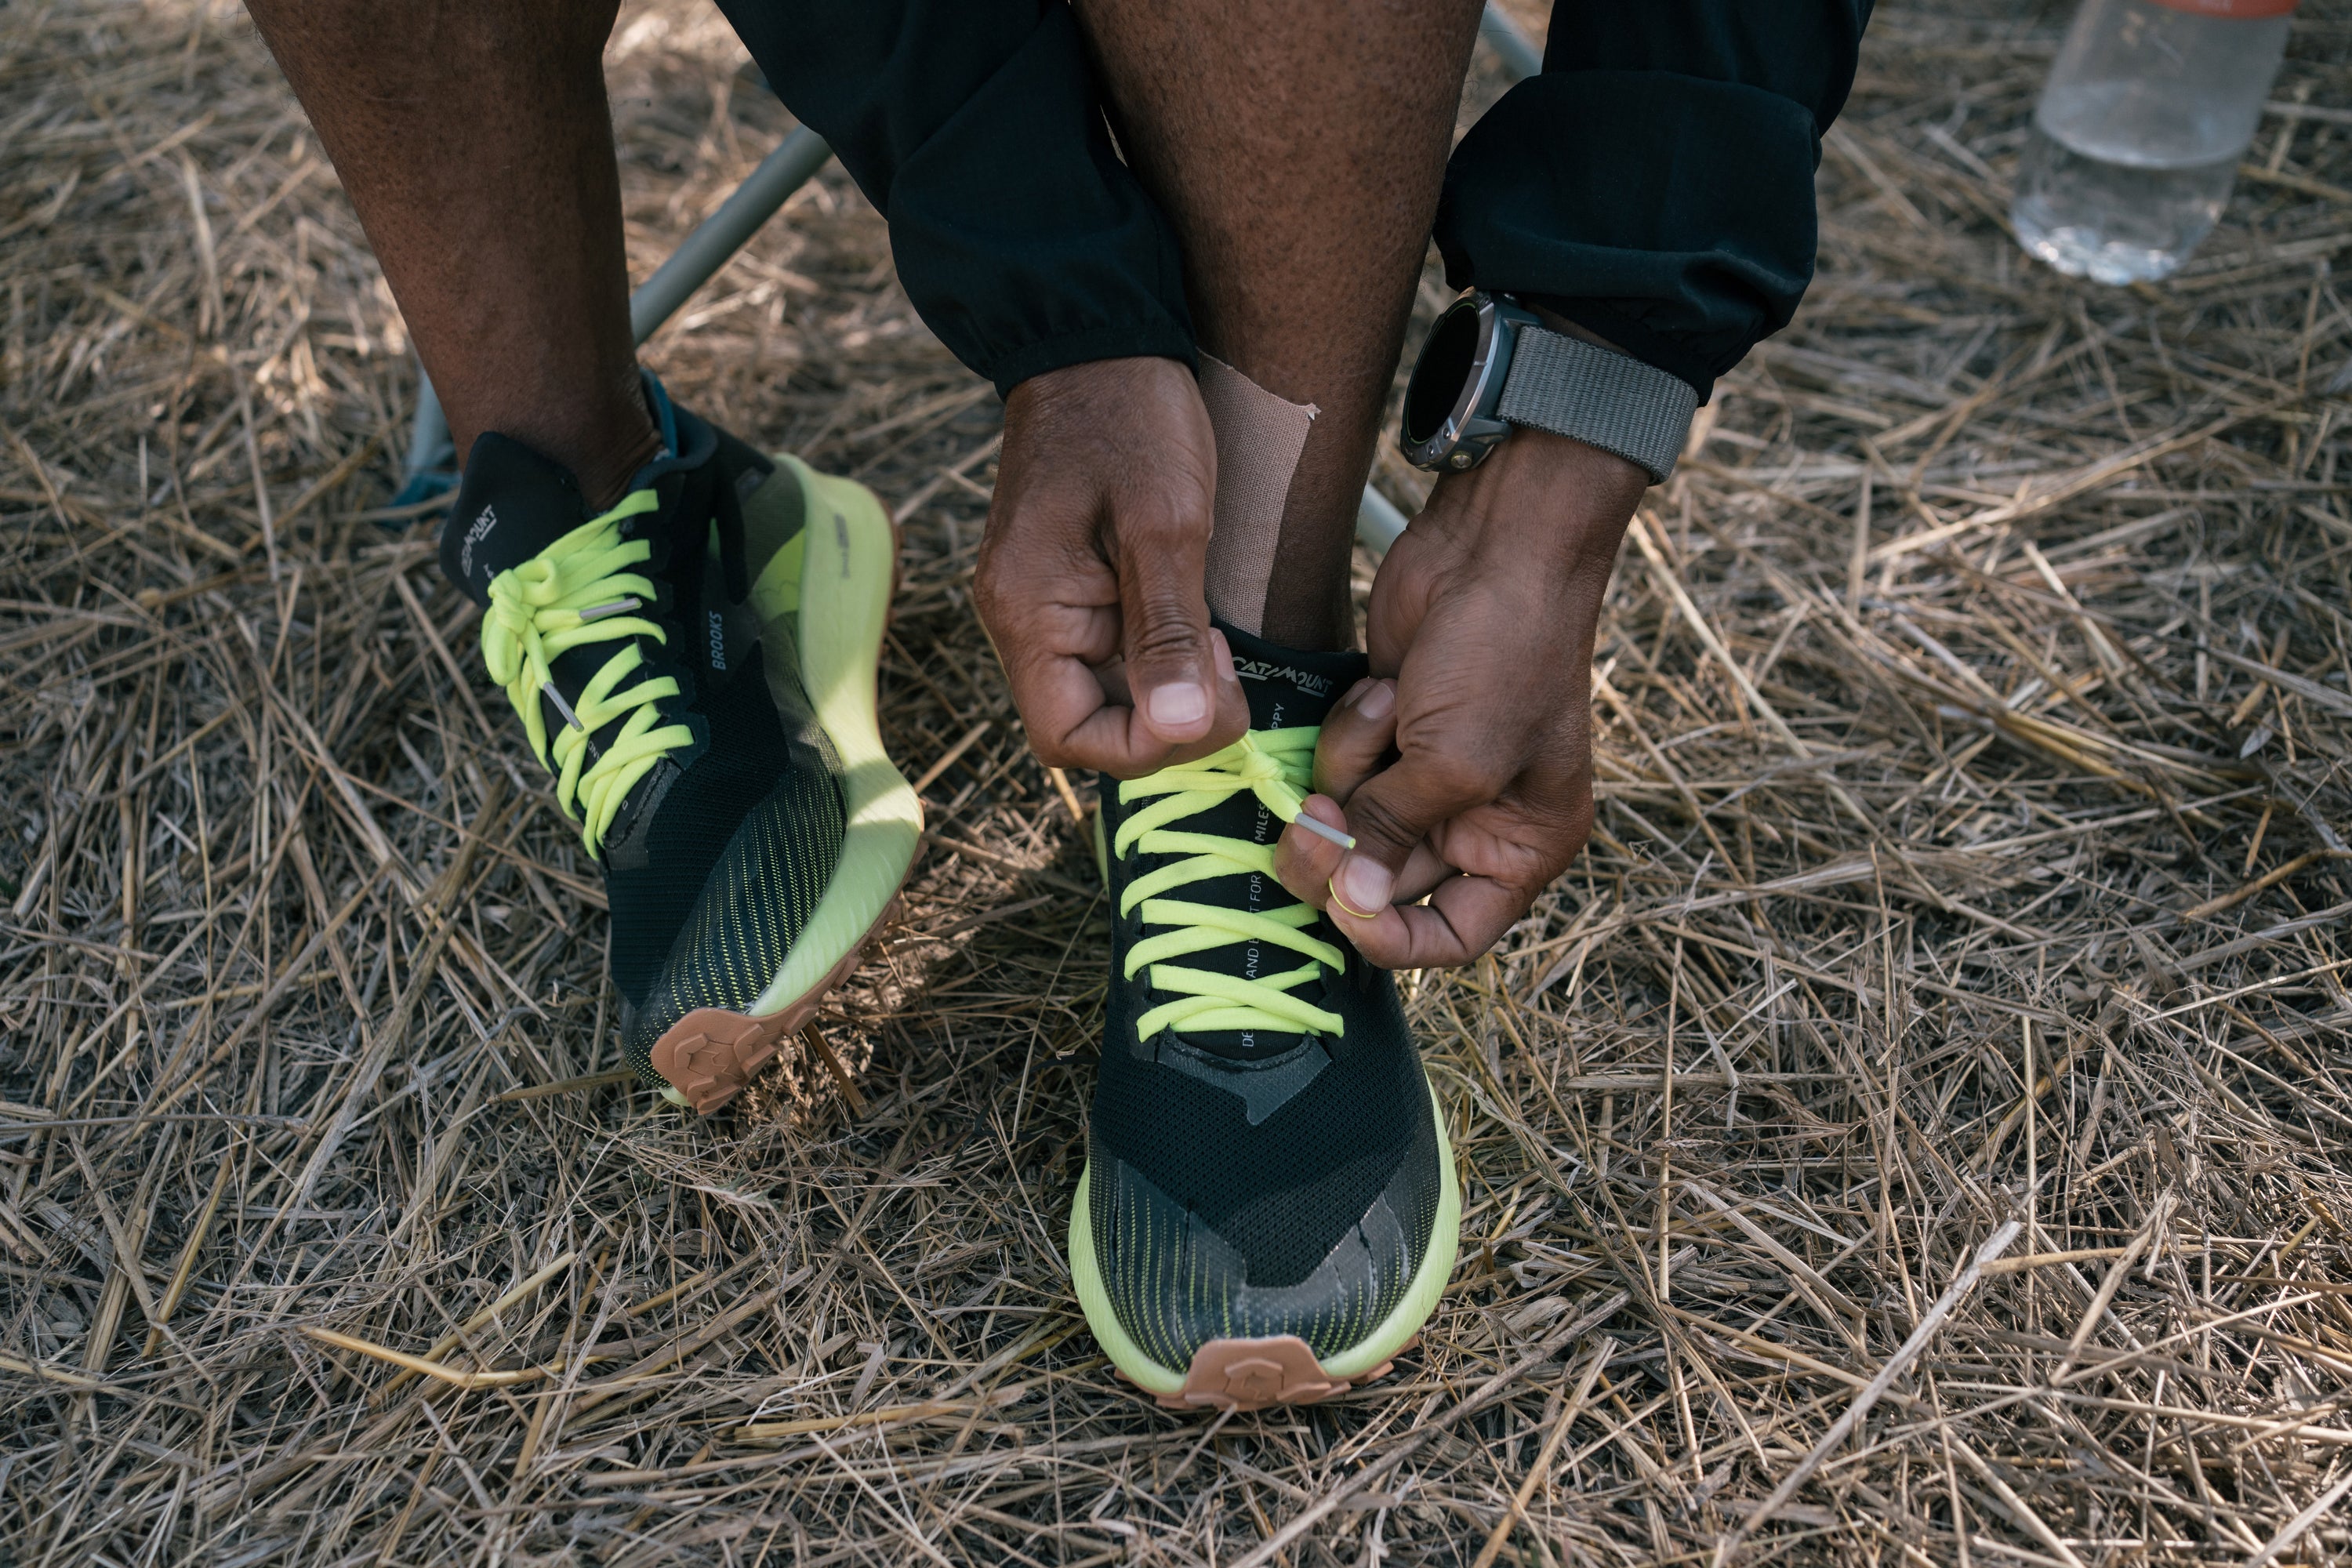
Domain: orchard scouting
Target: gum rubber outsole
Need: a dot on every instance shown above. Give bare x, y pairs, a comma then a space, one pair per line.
710, 1055
1242, 1375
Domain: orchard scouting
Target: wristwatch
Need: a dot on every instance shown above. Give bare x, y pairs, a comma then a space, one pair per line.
1490, 363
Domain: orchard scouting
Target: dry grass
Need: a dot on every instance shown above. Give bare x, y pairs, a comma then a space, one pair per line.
1972, 745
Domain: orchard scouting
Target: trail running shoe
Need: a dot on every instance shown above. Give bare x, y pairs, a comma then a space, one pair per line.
695, 666
1269, 1207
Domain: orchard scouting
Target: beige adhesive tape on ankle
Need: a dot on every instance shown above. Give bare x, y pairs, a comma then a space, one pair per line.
1259, 438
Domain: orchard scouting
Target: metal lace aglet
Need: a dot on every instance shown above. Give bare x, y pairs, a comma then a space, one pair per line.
617, 607
1325, 830
571, 720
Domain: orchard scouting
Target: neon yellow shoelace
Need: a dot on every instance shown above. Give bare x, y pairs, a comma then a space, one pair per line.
578, 590
1276, 766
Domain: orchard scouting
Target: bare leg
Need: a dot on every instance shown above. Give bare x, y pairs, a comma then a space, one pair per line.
1299, 148
475, 140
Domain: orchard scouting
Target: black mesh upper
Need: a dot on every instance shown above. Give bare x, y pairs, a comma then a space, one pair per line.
1176, 1279
1310, 1220
720, 853
741, 847
1283, 1191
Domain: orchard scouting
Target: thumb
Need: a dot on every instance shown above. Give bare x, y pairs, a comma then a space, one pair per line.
1171, 665
1391, 812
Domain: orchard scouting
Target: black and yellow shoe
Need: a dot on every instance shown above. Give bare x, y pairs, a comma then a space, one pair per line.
1269, 1208
697, 668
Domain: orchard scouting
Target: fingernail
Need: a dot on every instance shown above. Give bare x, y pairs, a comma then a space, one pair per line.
1379, 701
1362, 886
1179, 705
1355, 693
1225, 654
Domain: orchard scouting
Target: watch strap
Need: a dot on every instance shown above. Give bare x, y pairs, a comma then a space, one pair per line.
1599, 396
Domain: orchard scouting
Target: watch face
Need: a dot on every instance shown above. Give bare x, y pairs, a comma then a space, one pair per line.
1441, 373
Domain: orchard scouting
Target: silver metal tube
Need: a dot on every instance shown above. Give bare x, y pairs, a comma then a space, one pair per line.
428, 444
717, 237
1378, 522
1519, 56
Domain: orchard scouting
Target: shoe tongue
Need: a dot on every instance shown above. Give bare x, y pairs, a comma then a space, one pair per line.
1287, 688
512, 504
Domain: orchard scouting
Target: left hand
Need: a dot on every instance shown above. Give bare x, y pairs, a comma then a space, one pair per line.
1481, 634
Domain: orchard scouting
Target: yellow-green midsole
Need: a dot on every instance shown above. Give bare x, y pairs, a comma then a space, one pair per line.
848, 566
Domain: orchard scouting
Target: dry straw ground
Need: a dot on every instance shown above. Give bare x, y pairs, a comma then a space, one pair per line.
1972, 733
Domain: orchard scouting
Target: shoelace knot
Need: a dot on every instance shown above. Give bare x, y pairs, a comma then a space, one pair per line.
577, 591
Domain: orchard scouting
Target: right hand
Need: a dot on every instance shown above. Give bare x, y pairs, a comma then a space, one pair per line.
1470, 778
1091, 570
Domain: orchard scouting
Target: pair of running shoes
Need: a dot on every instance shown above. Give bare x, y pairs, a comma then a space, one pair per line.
1269, 1207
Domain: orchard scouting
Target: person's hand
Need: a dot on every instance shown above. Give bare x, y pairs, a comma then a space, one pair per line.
1090, 574
1481, 639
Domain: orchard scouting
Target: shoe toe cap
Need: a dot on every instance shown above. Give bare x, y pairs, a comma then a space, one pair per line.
1177, 1282
750, 909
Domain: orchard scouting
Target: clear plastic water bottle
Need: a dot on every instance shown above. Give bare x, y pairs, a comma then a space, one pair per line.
2138, 133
